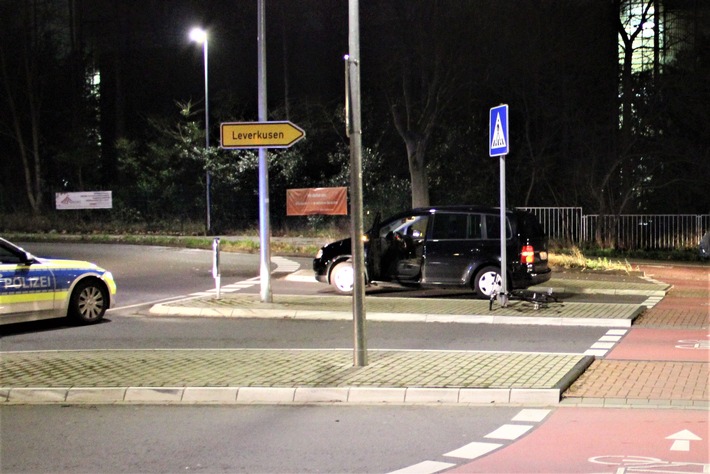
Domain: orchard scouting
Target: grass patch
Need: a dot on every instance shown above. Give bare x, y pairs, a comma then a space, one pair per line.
242, 244
575, 259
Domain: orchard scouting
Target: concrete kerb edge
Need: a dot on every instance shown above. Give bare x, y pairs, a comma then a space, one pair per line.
621, 292
276, 395
631, 403
570, 377
397, 317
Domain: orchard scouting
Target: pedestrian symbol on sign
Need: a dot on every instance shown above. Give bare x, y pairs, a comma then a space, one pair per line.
498, 135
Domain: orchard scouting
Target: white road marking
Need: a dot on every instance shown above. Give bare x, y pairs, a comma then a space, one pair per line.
606, 342
473, 450
682, 439
602, 345
284, 264
509, 432
651, 301
424, 467
680, 445
531, 415
596, 352
163, 300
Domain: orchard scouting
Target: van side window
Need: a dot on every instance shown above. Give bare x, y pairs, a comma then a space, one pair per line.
449, 226
493, 227
411, 226
456, 226
417, 229
475, 229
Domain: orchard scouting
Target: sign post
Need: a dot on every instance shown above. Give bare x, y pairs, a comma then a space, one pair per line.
356, 226
261, 135
498, 145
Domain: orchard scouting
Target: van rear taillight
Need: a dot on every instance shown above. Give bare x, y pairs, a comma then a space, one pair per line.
527, 254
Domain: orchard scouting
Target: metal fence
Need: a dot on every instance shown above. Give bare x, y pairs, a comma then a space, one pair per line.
569, 226
562, 224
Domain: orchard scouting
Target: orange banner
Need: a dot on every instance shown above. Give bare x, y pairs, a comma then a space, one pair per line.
307, 201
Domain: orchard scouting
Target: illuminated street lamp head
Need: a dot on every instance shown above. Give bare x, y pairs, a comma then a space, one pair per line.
198, 35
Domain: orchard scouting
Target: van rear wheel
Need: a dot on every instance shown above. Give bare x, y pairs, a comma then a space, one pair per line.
487, 282
342, 278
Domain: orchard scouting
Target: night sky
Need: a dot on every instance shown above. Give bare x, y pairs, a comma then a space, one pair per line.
554, 61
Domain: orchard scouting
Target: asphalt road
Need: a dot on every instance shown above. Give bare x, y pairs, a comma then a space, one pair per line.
250, 439
149, 274
238, 438
324, 438
145, 273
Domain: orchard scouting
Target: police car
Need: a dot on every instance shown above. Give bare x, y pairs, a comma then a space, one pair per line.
33, 288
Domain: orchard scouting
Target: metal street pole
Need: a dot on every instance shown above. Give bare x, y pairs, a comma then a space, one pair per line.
199, 35
264, 228
503, 295
358, 252
499, 145
208, 178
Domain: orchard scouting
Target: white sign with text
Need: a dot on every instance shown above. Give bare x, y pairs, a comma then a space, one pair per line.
84, 200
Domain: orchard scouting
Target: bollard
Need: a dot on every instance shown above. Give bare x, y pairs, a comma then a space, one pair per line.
215, 267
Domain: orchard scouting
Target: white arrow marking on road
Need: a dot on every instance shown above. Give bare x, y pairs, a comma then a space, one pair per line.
682, 439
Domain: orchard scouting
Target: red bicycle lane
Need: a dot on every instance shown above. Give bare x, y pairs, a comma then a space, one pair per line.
663, 345
685, 335
603, 440
662, 360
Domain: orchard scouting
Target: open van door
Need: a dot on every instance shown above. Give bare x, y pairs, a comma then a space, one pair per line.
405, 255
373, 250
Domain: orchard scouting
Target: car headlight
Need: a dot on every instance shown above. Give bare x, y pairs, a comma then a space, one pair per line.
320, 253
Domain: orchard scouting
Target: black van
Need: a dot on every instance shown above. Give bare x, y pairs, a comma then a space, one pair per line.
444, 246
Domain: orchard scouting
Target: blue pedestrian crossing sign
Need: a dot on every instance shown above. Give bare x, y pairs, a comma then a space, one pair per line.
498, 143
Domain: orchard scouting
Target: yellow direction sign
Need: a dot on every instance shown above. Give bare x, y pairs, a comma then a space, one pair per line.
259, 134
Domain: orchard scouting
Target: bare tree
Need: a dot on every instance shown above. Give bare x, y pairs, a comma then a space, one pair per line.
633, 16
24, 98
423, 74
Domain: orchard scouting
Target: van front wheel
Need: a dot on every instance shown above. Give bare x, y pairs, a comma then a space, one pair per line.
342, 278
487, 282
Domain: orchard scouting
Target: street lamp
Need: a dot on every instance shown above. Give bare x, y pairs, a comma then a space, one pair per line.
199, 36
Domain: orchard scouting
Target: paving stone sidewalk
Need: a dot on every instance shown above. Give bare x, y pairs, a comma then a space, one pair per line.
329, 376
660, 383
433, 309
404, 309
642, 383
238, 376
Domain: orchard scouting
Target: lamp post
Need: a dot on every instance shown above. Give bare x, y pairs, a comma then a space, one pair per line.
199, 36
